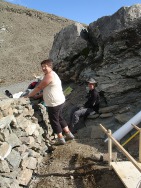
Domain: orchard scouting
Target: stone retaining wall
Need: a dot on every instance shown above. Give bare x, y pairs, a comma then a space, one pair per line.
22, 145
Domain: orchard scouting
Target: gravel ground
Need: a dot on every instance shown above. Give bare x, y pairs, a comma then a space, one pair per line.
25, 41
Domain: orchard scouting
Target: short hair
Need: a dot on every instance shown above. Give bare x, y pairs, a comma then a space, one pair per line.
49, 62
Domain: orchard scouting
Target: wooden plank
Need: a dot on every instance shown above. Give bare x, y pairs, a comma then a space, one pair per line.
128, 173
110, 149
139, 130
122, 149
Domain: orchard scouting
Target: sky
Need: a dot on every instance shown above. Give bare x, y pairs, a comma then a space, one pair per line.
83, 11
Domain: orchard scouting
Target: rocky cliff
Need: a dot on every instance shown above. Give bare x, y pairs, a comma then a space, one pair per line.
108, 50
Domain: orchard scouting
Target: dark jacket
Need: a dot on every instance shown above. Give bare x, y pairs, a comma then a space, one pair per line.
93, 100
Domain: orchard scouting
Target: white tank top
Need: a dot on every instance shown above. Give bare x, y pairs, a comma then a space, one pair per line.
53, 94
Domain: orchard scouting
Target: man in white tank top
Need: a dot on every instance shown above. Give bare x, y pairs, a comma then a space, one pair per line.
54, 99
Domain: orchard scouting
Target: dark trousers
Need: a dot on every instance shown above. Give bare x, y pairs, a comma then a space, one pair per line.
56, 118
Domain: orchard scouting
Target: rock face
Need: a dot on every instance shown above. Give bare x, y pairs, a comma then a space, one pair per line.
111, 54
62, 49
68, 51
107, 26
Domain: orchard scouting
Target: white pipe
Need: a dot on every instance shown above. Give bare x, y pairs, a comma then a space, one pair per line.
122, 131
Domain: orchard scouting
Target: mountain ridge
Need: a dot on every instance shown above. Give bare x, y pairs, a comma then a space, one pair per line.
26, 39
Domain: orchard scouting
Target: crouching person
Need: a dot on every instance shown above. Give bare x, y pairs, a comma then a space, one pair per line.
90, 107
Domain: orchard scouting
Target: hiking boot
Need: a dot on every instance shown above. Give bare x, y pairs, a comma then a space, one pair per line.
69, 136
8, 94
60, 141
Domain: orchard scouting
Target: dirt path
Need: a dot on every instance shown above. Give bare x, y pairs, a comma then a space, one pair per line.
77, 164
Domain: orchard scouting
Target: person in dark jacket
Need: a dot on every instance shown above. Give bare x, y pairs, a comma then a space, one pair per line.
90, 107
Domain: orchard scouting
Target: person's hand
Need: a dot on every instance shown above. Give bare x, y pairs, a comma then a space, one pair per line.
36, 97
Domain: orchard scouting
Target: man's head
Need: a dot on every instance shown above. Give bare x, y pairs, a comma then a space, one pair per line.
91, 83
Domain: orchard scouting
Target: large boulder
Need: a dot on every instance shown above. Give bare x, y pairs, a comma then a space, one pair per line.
68, 45
119, 28
107, 26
